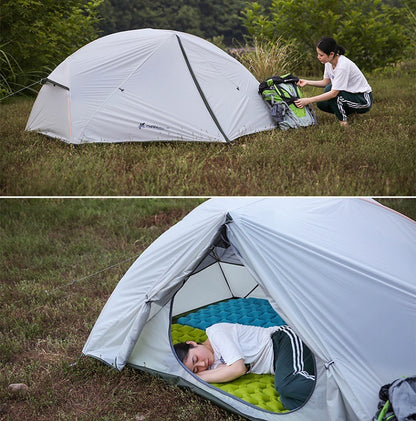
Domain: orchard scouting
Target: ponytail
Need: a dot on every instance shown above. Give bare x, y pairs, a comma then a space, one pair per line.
340, 50
328, 45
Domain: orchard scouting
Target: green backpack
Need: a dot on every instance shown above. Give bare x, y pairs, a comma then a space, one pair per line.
280, 93
397, 400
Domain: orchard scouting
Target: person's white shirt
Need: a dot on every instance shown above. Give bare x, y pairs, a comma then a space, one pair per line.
346, 76
232, 342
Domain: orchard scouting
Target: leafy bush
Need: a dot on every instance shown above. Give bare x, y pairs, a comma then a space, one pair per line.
373, 32
37, 35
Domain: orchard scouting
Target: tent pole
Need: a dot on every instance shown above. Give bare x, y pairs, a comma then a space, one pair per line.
47, 80
200, 91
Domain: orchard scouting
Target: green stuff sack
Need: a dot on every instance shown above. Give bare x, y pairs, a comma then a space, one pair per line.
280, 93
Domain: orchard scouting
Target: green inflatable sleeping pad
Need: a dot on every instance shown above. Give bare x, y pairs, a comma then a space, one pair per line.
256, 389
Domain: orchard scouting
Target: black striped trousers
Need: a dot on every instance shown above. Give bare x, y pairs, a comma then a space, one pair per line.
346, 103
294, 368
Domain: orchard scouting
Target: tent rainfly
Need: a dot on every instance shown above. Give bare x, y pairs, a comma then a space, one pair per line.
341, 273
149, 85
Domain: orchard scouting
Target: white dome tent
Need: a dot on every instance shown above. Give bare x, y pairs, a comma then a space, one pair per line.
149, 85
341, 272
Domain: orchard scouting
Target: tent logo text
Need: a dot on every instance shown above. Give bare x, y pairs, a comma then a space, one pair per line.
150, 126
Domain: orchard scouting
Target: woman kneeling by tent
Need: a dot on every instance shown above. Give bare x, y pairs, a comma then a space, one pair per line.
346, 88
233, 350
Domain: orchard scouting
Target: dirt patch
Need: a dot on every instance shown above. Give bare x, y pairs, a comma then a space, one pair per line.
167, 218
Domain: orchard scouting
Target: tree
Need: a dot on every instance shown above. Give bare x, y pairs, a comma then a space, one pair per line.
372, 31
204, 18
37, 35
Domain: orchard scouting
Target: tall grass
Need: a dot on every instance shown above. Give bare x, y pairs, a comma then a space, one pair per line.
7, 66
411, 29
268, 58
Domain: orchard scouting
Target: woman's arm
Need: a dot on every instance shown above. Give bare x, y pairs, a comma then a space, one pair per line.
224, 373
319, 83
302, 102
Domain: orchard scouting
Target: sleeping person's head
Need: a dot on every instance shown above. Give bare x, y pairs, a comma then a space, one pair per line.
196, 357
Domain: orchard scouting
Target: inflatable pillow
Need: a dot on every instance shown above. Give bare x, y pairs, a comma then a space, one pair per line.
246, 311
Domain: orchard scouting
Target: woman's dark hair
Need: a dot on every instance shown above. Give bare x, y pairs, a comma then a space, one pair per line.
328, 45
182, 349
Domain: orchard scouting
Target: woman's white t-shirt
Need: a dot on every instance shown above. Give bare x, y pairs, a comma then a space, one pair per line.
346, 76
232, 342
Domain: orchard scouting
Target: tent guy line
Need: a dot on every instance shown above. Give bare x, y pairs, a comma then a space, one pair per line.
75, 281
20, 90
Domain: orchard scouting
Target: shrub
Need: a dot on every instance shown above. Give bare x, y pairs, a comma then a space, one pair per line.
372, 31
37, 34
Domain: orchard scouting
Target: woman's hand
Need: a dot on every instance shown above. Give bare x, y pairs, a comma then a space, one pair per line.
302, 83
302, 102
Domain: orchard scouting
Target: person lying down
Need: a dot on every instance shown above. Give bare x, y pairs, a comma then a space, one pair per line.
233, 350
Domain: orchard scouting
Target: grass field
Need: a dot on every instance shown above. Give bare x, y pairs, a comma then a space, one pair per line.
53, 288
46, 313
376, 155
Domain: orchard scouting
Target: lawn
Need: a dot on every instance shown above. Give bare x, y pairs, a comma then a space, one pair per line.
376, 155
49, 303
61, 259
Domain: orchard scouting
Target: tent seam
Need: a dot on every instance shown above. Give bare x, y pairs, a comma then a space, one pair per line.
201, 92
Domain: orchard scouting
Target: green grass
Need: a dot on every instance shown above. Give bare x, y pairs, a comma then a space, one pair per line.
48, 307
376, 155
52, 290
